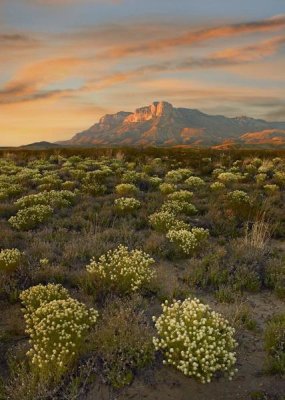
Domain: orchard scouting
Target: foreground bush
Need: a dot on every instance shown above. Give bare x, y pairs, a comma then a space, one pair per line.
196, 340
57, 329
187, 241
10, 260
122, 270
123, 341
274, 343
37, 296
31, 217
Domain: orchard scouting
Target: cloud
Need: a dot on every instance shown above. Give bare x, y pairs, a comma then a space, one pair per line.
198, 36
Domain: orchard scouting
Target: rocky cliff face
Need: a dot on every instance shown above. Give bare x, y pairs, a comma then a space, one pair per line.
161, 124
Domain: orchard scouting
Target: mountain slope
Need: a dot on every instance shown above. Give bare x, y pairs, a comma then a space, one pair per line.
161, 124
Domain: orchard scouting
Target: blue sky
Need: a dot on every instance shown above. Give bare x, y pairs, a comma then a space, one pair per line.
64, 63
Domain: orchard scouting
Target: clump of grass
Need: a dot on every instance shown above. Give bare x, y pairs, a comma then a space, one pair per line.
274, 343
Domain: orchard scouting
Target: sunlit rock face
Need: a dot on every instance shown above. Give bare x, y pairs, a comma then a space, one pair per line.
161, 124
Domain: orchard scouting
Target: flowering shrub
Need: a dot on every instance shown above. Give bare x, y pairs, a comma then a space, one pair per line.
271, 188
179, 207
54, 199
178, 175
163, 221
260, 178
229, 177
36, 296
122, 270
10, 260
57, 330
196, 340
194, 182
126, 189
154, 181
188, 241
127, 204
238, 198
8, 191
181, 195
167, 188
279, 177
94, 188
217, 186
31, 217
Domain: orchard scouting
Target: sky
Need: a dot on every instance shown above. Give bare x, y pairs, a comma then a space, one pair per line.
65, 63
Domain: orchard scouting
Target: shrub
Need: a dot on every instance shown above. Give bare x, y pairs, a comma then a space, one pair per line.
163, 221
31, 217
123, 341
167, 188
57, 330
94, 188
37, 296
179, 207
178, 175
126, 204
274, 343
196, 340
126, 189
181, 195
229, 177
217, 186
194, 182
275, 277
122, 270
10, 260
53, 198
271, 189
188, 241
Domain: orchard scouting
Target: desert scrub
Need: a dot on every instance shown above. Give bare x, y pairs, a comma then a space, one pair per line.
194, 182
53, 198
163, 221
275, 277
57, 331
178, 175
271, 189
229, 177
122, 270
126, 204
10, 260
31, 217
123, 341
217, 186
180, 195
167, 188
274, 343
195, 340
36, 296
188, 241
126, 189
179, 207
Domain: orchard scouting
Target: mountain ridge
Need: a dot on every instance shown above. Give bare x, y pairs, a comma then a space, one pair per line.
161, 124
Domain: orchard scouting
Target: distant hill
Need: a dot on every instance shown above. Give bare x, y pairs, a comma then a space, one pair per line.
41, 146
161, 124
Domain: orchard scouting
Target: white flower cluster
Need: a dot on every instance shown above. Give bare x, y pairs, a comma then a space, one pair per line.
188, 241
122, 270
194, 182
36, 296
229, 177
126, 204
126, 189
217, 186
10, 259
167, 188
178, 175
53, 198
163, 221
180, 195
239, 198
57, 328
31, 217
179, 207
196, 340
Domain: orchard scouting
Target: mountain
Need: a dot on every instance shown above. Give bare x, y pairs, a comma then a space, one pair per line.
161, 124
41, 146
